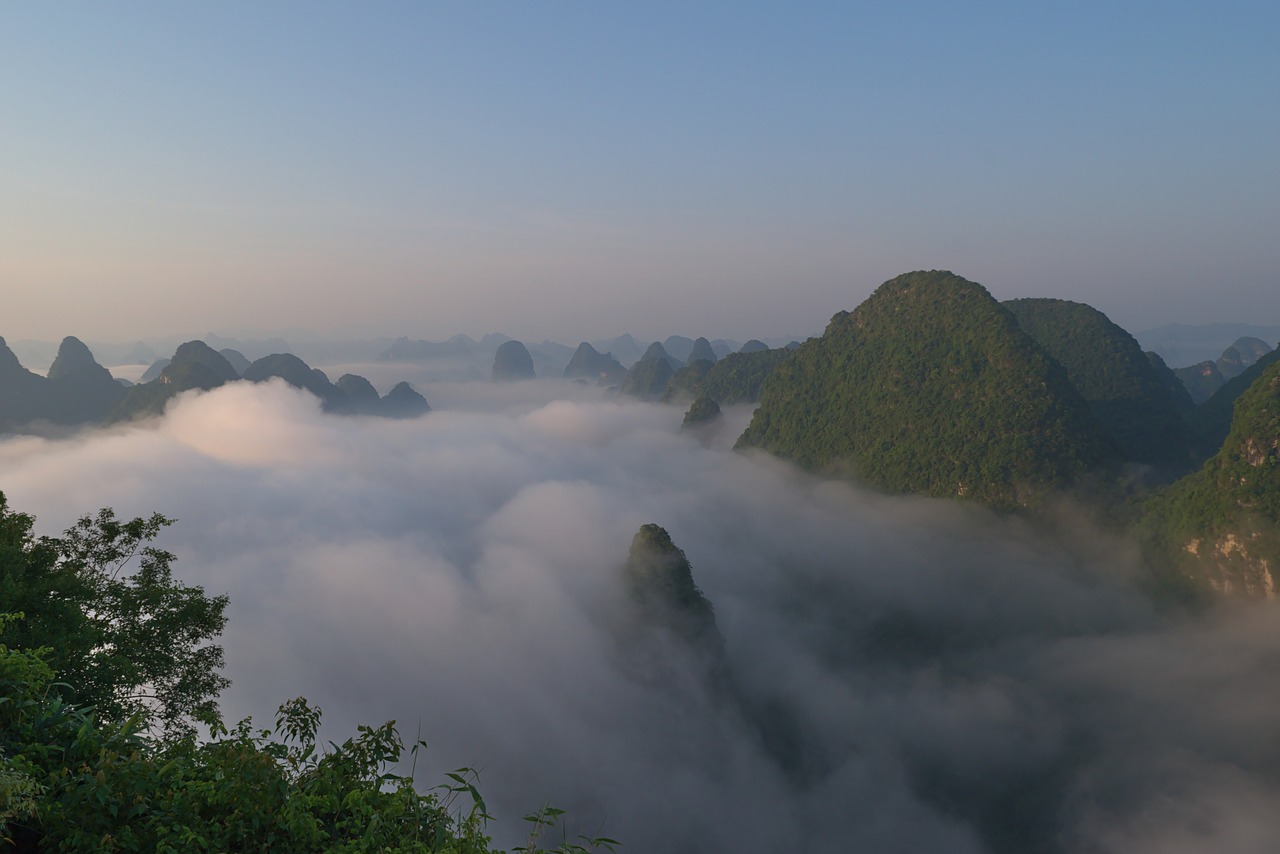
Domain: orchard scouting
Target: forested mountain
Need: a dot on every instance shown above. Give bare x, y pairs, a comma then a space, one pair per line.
648, 378
702, 411
1221, 525
1201, 380
1212, 419
660, 581
931, 386
737, 378
1104, 363
1182, 400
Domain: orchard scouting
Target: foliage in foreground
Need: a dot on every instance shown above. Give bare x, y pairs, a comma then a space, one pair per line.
101, 685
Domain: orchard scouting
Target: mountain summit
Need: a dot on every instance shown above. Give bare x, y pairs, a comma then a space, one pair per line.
930, 386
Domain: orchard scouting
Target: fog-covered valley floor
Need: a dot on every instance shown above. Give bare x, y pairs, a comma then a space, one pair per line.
909, 674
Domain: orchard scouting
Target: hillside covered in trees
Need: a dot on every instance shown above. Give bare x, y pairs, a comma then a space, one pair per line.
108, 664
932, 387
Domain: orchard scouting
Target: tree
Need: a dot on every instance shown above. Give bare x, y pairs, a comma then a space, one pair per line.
124, 643
103, 675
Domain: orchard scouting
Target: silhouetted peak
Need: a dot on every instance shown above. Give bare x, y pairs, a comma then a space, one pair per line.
404, 402
701, 352
194, 353
73, 358
512, 362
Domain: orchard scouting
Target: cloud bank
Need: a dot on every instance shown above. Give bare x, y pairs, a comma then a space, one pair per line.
908, 674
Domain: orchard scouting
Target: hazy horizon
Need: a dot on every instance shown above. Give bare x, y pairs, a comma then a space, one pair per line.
430, 169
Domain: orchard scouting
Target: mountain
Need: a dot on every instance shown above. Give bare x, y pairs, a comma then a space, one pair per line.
1182, 400
701, 351
648, 378
404, 350
512, 362
1107, 367
660, 580
298, 374
686, 384
1188, 344
361, 398
1242, 353
79, 389
550, 358
153, 372
23, 394
657, 351
1212, 419
140, 354
753, 346
737, 378
930, 386
403, 402
704, 410
723, 347
1220, 526
195, 365
588, 363
236, 359
1201, 380
252, 348
678, 347
624, 348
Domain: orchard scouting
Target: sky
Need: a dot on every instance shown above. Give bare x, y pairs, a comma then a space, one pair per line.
907, 674
572, 170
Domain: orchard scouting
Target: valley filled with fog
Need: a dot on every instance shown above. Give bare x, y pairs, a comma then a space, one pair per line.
907, 673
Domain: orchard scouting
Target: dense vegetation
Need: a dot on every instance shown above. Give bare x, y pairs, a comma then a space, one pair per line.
1212, 419
1107, 366
930, 386
1201, 380
1182, 400
704, 410
737, 378
1221, 525
105, 672
647, 379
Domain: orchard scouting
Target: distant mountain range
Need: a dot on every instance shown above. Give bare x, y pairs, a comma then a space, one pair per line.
1182, 344
929, 387
80, 392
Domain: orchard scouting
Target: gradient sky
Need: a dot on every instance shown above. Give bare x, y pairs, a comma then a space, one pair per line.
573, 170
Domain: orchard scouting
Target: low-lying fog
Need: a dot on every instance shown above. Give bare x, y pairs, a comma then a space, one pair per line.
911, 675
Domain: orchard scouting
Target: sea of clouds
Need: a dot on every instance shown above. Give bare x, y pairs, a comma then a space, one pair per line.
909, 674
